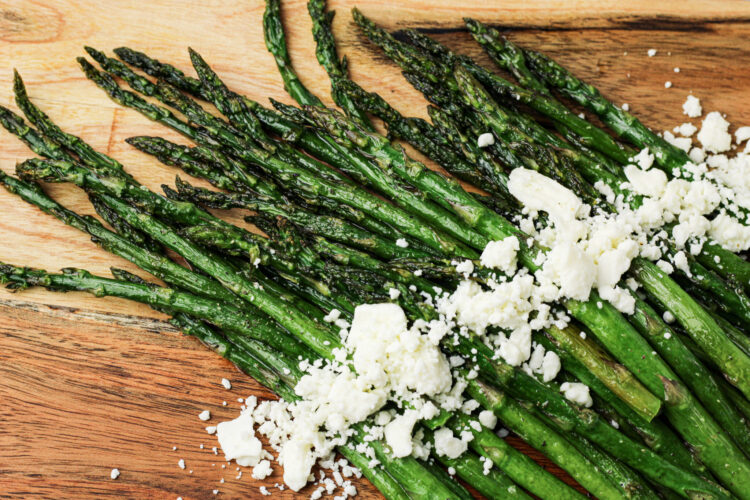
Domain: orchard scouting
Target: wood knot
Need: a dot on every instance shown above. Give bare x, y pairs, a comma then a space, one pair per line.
30, 23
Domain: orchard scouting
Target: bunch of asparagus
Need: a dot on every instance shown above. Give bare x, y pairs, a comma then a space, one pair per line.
334, 197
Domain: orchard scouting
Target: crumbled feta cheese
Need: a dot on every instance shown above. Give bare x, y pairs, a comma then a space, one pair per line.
571, 269
550, 366
211, 429
181, 464
644, 159
742, 134
465, 267
686, 129
651, 52
394, 293
730, 233
646, 182
486, 139
667, 84
626, 107
238, 442
501, 254
714, 135
677, 70
204, 415
401, 242
398, 433
332, 316
577, 393
692, 107
488, 419
114, 474
226, 383
262, 470
446, 444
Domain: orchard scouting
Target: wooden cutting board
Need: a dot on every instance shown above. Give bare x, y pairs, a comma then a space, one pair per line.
89, 384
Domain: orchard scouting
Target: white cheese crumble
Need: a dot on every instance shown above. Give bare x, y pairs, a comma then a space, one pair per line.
204, 415
181, 463
446, 444
692, 107
667, 84
501, 254
488, 419
651, 52
401, 242
686, 129
332, 316
577, 393
389, 360
742, 134
226, 383
714, 135
262, 470
238, 442
486, 139
465, 267
114, 474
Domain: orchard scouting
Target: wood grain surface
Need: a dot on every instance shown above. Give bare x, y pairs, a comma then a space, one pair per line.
90, 384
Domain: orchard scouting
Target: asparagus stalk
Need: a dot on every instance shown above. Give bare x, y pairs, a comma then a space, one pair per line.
655, 434
85, 152
734, 363
505, 54
123, 228
325, 51
273, 32
494, 485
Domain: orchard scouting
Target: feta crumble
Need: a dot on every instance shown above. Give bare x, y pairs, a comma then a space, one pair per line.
486, 139
692, 107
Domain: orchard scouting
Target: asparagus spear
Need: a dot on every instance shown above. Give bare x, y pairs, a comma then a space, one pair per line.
273, 32
505, 54
325, 51
85, 152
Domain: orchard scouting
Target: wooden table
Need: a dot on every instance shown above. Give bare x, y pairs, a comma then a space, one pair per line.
90, 384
